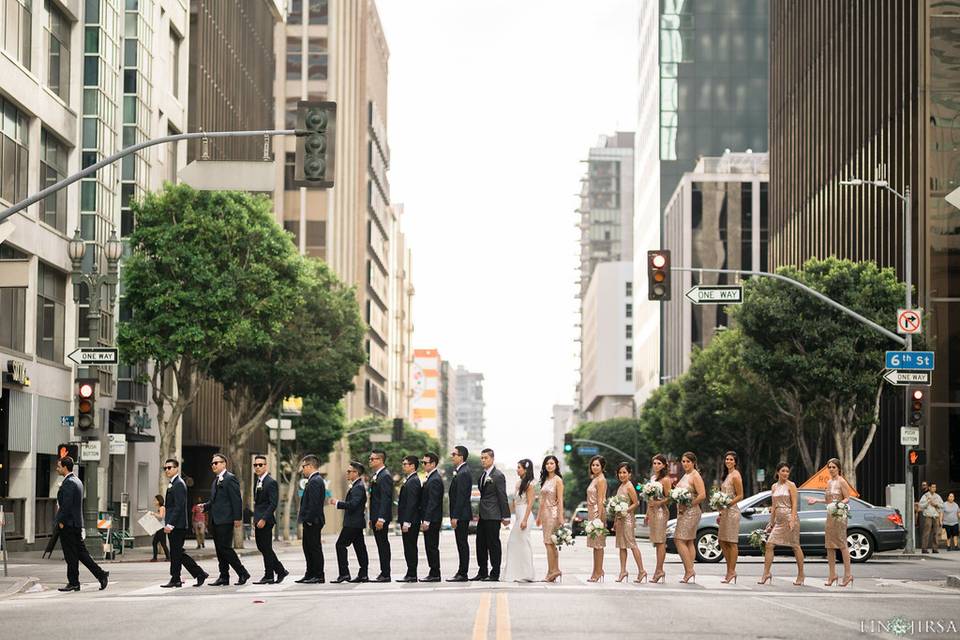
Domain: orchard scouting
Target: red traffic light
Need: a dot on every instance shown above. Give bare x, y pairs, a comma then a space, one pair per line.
85, 390
659, 261
918, 394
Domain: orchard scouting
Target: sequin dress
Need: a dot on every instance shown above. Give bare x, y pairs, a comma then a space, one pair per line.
550, 517
623, 526
594, 511
688, 518
835, 530
657, 517
780, 513
729, 518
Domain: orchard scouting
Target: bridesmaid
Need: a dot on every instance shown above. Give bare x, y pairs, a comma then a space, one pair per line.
835, 531
729, 518
784, 526
624, 526
658, 513
688, 517
550, 514
596, 495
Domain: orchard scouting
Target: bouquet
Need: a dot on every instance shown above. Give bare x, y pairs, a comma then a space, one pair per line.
595, 528
617, 506
838, 509
758, 538
562, 537
652, 491
720, 500
681, 496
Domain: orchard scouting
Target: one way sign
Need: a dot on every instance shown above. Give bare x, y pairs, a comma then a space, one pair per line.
715, 294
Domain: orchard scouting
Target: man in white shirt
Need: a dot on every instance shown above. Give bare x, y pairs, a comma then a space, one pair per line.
931, 508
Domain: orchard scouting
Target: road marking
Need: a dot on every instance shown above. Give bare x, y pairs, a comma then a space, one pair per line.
503, 617
819, 615
483, 616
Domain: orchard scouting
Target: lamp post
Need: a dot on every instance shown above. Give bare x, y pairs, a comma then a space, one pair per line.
95, 281
908, 304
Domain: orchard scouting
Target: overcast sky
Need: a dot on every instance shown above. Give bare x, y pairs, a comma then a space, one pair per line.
492, 106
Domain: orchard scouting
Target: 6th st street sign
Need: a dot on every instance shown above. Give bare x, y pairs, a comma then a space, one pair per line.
715, 294
95, 355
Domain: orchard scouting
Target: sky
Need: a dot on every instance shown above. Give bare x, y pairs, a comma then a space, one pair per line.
492, 107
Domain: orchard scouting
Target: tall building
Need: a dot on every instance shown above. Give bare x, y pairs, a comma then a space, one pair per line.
400, 333
564, 420
425, 406
717, 218
80, 80
469, 409
875, 95
448, 405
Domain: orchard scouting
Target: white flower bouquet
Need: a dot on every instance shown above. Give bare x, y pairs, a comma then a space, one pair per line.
681, 496
652, 491
758, 538
617, 506
838, 509
562, 537
595, 528
720, 500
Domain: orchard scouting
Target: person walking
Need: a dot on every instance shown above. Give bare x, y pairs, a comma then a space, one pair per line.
408, 515
624, 524
729, 517
431, 514
950, 523
159, 540
354, 509
835, 529
519, 564
688, 516
550, 515
199, 522
658, 514
69, 519
461, 512
175, 525
931, 508
784, 525
381, 509
596, 496
226, 514
266, 499
312, 519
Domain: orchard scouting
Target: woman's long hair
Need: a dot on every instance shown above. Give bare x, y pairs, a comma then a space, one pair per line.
527, 476
543, 469
665, 470
736, 464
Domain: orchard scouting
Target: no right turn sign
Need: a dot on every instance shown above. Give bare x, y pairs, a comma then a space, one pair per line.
909, 321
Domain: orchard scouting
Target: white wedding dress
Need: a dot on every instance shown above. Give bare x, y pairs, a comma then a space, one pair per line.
519, 567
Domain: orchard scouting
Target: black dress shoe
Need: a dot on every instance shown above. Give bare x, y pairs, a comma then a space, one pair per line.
457, 578
478, 578
220, 582
280, 576
319, 580
70, 587
304, 579
172, 585
406, 579
341, 579
263, 580
243, 579
491, 579
382, 579
103, 580
201, 579
360, 579
431, 579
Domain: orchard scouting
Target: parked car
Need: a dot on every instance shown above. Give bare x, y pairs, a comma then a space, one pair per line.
578, 519
869, 528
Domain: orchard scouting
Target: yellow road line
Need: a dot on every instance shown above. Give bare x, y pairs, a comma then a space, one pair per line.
483, 616
503, 617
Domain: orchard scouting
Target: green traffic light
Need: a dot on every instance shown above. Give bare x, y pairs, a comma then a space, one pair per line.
567, 448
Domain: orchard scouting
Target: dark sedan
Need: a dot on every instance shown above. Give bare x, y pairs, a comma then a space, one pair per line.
869, 528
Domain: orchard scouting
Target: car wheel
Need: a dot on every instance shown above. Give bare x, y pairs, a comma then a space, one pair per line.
708, 546
860, 544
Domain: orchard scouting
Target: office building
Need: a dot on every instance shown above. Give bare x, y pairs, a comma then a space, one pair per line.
564, 420
425, 405
469, 409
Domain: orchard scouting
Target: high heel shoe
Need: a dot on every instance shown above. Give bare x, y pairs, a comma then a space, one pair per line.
690, 578
830, 581
641, 578
623, 576
598, 578
799, 581
766, 578
729, 579
659, 577
846, 581
554, 576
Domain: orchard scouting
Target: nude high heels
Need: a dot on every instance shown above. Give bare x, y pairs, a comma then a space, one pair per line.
623, 576
765, 578
731, 578
830, 581
641, 578
690, 578
659, 578
846, 581
598, 578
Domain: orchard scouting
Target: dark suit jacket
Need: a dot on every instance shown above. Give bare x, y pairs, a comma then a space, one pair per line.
460, 489
408, 506
493, 496
225, 506
265, 500
311, 504
175, 505
381, 496
431, 499
354, 506
70, 503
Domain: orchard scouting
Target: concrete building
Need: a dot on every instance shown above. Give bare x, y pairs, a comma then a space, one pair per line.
79, 81
564, 420
469, 409
425, 407
717, 218
448, 405
400, 332
606, 363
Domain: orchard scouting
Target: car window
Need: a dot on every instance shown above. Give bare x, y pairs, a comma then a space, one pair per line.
762, 505
819, 506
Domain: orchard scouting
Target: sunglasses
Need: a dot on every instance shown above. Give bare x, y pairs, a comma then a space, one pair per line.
259, 464
216, 462
426, 461
168, 468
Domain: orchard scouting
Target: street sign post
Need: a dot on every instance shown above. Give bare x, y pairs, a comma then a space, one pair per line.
909, 436
381, 437
84, 356
715, 294
909, 321
907, 378
117, 444
917, 360
588, 451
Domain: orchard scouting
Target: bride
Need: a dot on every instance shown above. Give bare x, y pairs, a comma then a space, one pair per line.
519, 549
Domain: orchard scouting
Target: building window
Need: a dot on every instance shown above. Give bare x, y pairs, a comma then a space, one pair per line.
629, 331
629, 310
295, 12
16, 20
13, 306
317, 59
175, 41
58, 51
629, 353
294, 57
51, 299
629, 289
14, 156
628, 374
53, 168
318, 12
290, 113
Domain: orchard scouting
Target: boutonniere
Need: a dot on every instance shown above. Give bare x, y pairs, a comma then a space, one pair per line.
455, 473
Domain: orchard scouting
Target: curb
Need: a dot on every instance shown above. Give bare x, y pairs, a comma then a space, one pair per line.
953, 581
19, 586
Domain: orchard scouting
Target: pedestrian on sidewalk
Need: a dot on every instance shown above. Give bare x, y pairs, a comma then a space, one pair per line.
69, 520
199, 522
950, 522
931, 507
159, 537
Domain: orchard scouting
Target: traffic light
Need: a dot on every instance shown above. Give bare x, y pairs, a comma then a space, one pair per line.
86, 403
917, 401
567, 442
658, 275
64, 450
316, 141
397, 429
916, 457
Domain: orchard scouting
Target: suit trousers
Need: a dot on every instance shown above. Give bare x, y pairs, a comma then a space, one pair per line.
352, 536
410, 549
931, 532
226, 556
383, 548
75, 552
312, 551
264, 538
431, 544
462, 533
178, 558
488, 546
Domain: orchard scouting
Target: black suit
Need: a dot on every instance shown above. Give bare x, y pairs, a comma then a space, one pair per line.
493, 508
70, 515
311, 517
266, 498
352, 533
381, 508
460, 489
176, 516
408, 515
431, 514
225, 507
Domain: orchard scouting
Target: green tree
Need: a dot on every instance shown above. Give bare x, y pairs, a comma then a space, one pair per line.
624, 434
413, 443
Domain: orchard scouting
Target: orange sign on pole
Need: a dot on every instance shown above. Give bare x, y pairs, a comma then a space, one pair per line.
819, 481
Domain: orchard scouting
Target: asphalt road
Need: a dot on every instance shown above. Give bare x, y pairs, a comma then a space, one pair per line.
135, 606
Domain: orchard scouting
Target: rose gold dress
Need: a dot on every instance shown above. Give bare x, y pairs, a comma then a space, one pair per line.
657, 517
623, 526
594, 511
729, 518
550, 516
834, 531
688, 518
780, 513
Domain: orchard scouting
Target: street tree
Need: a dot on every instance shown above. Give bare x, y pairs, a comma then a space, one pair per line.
413, 443
623, 433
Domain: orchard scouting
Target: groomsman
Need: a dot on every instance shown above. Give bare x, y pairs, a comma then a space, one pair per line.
381, 509
176, 524
460, 511
494, 509
408, 515
226, 512
311, 517
69, 519
431, 514
354, 507
266, 498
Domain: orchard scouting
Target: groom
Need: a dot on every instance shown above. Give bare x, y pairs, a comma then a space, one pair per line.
494, 509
